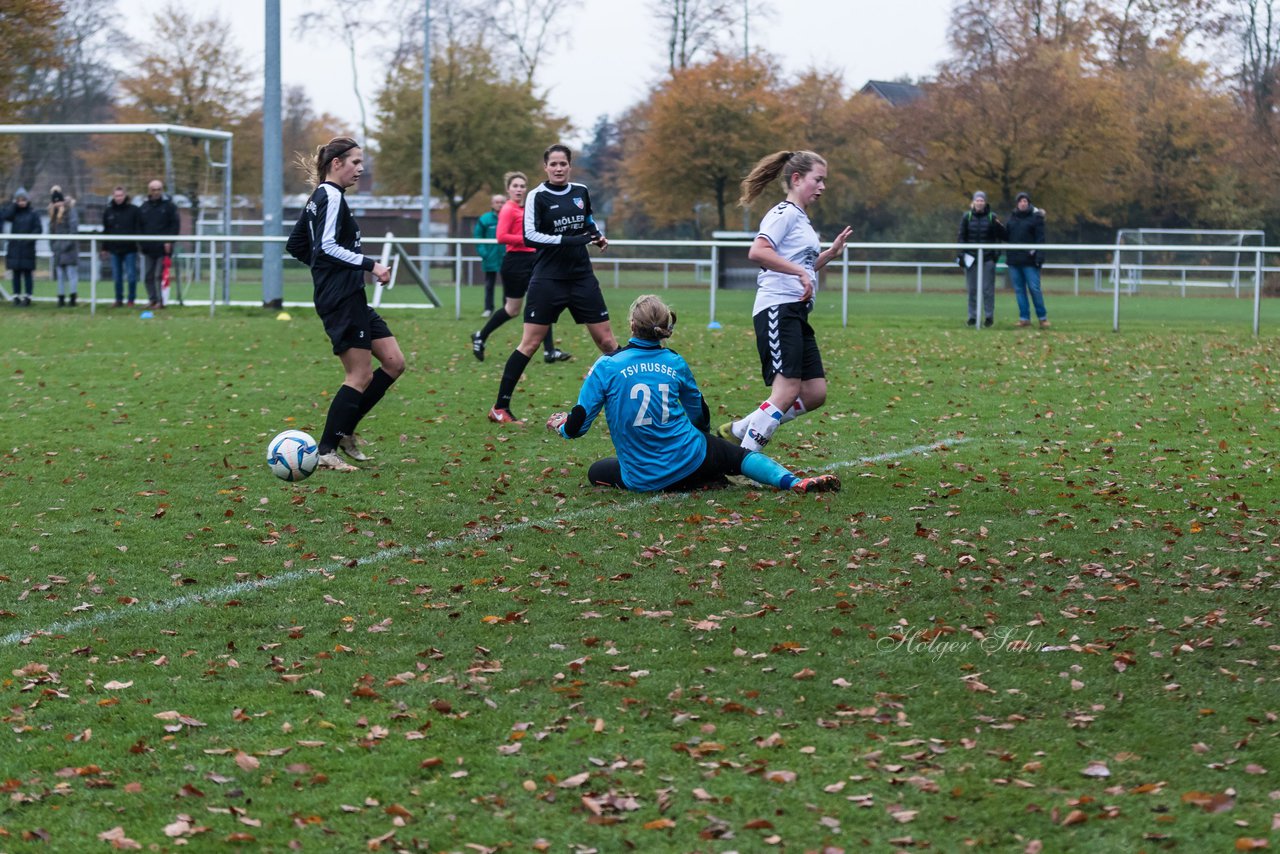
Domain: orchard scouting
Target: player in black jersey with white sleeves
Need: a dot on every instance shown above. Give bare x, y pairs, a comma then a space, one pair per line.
327, 239
790, 256
559, 225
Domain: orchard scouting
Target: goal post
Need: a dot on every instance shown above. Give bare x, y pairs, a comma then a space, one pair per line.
165, 135
1184, 258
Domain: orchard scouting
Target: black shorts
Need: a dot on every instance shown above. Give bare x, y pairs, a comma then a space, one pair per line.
549, 297
786, 343
517, 267
353, 325
722, 459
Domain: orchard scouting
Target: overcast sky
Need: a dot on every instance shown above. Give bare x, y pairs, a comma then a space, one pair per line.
614, 52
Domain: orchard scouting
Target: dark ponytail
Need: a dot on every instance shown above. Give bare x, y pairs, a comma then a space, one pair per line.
316, 167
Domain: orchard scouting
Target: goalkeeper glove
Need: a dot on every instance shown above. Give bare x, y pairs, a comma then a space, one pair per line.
556, 421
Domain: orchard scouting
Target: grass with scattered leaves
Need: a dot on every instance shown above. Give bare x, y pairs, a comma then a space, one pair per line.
1039, 616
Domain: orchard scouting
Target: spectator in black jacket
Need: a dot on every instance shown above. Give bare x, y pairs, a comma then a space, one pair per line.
20, 255
160, 217
980, 226
1026, 225
122, 216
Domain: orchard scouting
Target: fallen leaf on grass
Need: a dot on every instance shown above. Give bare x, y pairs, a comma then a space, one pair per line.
115, 836
574, 781
1211, 802
1147, 788
178, 828
659, 824
1096, 769
375, 844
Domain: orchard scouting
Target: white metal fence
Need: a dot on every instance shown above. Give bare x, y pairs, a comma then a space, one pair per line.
218, 257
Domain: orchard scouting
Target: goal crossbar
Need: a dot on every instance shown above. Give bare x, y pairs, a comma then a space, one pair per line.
178, 130
1152, 253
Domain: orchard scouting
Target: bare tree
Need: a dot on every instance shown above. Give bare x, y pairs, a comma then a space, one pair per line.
1261, 43
527, 27
75, 88
353, 24
696, 27
1105, 33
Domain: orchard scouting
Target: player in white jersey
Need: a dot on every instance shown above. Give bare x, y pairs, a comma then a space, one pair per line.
790, 255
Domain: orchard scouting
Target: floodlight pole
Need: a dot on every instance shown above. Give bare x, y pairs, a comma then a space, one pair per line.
1257, 287
272, 163
424, 224
746, 56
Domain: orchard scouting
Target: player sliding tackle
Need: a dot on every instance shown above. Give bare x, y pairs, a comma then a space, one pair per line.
658, 419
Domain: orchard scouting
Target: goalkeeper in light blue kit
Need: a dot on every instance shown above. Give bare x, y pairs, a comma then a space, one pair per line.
658, 420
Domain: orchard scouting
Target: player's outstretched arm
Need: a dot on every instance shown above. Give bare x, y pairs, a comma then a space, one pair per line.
573, 424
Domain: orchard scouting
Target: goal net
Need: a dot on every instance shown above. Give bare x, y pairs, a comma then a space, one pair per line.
1185, 258
87, 161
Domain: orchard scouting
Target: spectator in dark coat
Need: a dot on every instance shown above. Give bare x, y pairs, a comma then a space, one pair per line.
1026, 225
20, 255
64, 225
122, 216
980, 225
160, 217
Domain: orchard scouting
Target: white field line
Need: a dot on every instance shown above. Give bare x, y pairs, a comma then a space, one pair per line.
230, 591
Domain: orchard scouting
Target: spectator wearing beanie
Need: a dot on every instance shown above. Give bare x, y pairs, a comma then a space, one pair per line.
979, 226
1026, 225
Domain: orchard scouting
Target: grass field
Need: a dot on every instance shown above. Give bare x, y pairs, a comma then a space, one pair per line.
1039, 617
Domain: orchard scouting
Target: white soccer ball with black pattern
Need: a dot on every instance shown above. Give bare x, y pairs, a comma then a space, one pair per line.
292, 455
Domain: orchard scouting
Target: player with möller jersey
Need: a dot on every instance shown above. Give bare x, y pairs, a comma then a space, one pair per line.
790, 255
558, 223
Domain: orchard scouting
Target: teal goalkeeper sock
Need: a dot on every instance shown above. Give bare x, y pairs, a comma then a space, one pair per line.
761, 469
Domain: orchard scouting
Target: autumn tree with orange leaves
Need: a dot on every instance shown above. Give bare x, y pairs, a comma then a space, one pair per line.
698, 134
192, 75
29, 50
1042, 125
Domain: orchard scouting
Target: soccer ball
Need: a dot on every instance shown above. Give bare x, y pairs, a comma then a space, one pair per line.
292, 455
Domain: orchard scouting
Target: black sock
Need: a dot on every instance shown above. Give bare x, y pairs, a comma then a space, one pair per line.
342, 418
549, 343
516, 363
496, 319
377, 388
